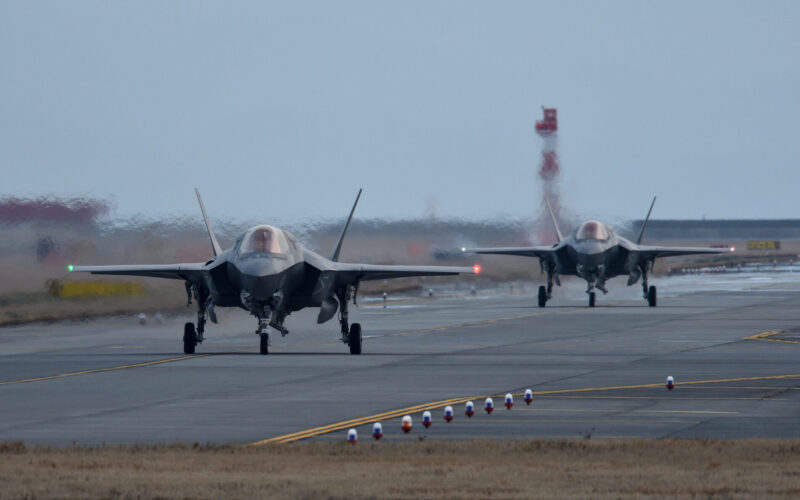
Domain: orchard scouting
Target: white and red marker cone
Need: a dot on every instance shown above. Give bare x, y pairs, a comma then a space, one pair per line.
489, 405
528, 396
377, 430
670, 383
448, 414
470, 409
406, 425
426, 419
352, 436
509, 401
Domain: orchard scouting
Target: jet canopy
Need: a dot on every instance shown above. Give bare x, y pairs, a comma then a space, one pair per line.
262, 239
592, 230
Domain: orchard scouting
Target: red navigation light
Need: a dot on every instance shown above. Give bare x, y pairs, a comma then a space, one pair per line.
476, 269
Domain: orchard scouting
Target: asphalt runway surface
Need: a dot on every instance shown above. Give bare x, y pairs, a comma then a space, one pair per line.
732, 344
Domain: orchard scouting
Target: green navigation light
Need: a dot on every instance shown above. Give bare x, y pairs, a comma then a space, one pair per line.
70, 268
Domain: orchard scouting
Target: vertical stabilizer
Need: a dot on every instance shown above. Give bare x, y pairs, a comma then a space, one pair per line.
214, 243
644, 224
335, 254
555, 223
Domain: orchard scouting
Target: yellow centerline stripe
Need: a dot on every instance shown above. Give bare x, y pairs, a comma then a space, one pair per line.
765, 337
316, 431
108, 369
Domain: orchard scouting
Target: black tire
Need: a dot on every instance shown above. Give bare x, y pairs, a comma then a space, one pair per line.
263, 344
354, 338
189, 338
542, 296
592, 298
652, 296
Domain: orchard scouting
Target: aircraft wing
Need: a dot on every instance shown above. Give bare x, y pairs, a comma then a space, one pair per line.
654, 252
367, 272
188, 271
541, 252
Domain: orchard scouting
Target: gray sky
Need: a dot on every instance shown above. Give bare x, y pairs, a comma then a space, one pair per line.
282, 110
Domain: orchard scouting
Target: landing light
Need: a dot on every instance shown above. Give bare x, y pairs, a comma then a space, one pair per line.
733, 249
476, 269
463, 249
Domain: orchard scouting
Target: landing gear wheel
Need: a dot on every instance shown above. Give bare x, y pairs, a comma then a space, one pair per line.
591, 299
264, 344
354, 338
542, 296
652, 297
189, 338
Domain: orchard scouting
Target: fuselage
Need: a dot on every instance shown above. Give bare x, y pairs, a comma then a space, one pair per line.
266, 265
593, 252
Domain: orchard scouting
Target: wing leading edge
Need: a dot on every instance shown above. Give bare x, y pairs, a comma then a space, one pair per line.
655, 252
367, 272
186, 271
541, 252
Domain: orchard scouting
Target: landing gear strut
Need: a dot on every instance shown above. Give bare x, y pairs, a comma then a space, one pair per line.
650, 294
351, 334
263, 329
192, 336
546, 294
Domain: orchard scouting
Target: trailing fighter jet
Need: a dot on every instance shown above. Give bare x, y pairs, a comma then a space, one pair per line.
268, 273
595, 253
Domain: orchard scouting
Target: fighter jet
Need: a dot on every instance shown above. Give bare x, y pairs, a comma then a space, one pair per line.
595, 253
268, 273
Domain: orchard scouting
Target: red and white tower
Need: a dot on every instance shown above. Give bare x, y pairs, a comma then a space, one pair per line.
549, 169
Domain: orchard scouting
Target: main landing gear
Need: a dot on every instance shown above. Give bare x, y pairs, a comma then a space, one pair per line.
351, 334
650, 294
191, 335
546, 293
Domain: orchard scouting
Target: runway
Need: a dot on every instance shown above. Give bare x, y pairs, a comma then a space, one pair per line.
732, 345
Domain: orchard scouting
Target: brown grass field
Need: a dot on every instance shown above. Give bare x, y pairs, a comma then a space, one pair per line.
520, 469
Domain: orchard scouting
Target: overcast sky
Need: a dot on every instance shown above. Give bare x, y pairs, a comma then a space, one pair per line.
282, 110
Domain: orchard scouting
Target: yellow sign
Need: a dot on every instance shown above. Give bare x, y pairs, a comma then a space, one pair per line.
763, 245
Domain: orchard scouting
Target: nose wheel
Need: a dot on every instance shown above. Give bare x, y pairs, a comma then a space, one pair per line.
264, 343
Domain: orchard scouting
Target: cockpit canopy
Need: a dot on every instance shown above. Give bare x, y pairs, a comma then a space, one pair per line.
264, 239
593, 230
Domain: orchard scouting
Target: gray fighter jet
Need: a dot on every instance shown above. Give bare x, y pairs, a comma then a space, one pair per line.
268, 273
595, 253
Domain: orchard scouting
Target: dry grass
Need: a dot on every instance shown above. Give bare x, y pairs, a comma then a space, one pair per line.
527, 469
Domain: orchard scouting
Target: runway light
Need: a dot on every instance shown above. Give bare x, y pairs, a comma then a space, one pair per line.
489, 405
426, 419
476, 269
70, 268
448, 414
352, 436
377, 430
406, 425
670, 382
528, 396
509, 401
470, 409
